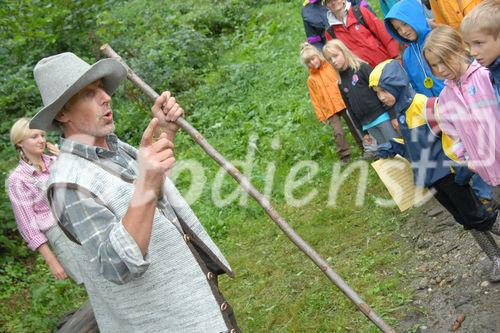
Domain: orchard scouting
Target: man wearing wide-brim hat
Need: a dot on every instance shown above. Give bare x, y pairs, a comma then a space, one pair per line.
148, 264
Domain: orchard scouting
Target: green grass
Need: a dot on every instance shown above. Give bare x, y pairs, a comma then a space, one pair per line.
262, 86
255, 87
31, 301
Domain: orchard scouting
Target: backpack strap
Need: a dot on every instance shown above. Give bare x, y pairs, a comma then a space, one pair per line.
331, 32
359, 16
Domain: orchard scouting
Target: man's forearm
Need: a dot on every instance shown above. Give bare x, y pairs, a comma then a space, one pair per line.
138, 219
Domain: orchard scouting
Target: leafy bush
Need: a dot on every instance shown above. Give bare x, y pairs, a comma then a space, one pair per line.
30, 30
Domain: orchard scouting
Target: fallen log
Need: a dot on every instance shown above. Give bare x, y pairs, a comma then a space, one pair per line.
261, 199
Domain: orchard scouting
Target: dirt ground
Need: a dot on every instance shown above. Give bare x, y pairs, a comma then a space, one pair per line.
449, 273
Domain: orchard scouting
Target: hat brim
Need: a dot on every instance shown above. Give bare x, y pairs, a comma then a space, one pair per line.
110, 71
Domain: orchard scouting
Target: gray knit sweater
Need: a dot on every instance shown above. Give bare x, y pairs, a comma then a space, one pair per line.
172, 294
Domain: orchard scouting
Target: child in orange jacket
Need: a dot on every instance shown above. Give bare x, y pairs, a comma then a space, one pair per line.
451, 12
325, 96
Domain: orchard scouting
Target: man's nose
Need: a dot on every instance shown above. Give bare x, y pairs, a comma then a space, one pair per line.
104, 96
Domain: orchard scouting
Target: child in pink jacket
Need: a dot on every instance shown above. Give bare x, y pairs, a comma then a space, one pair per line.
468, 111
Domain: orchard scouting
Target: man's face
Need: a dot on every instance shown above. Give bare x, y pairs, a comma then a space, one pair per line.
484, 47
88, 114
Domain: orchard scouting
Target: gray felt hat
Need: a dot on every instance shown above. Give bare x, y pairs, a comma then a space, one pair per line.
62, 76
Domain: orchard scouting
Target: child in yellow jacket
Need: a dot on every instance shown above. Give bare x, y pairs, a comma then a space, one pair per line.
325, 96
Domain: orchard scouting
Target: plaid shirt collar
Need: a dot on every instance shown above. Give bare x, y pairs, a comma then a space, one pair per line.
114, 160
28, 169
91, 153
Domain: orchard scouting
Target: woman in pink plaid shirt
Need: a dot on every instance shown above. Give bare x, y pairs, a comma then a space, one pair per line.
26, 188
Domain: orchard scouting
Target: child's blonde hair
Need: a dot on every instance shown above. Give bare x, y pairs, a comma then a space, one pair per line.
485, 18
307, 52
20, 131
351, 59
446, 43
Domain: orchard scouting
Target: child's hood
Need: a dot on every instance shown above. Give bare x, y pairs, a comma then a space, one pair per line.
390, 76
411, 13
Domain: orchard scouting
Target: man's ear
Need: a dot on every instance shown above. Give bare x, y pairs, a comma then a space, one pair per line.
62, 117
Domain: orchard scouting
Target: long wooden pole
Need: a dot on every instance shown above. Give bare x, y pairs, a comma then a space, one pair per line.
261, 199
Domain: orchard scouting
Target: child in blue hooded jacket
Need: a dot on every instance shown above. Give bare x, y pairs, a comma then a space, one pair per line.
406, 22
431, 167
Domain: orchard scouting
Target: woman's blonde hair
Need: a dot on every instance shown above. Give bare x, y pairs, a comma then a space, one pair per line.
307, 52
20, 131
351, 59
485, 18
447, 43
